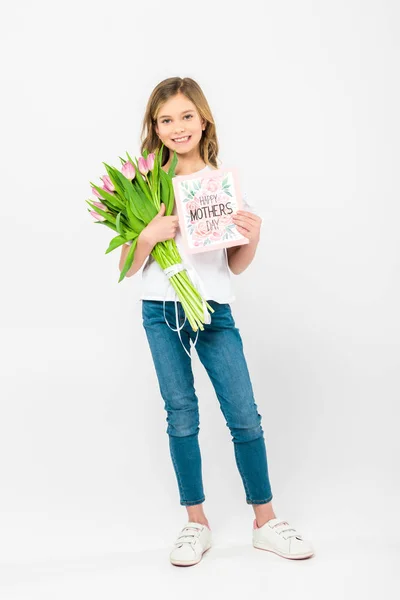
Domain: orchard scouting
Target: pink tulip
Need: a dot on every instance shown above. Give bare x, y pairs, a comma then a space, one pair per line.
108, 183
128, 170
107, 190
96, 216
95, 192
150, 161
143, 168
100, 205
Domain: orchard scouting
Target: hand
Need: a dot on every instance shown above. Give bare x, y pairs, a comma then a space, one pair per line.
161, 228
248, 224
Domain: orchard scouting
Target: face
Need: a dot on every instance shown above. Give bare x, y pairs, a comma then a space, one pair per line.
178, 118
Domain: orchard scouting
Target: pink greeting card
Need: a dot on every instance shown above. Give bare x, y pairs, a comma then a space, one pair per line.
205, 206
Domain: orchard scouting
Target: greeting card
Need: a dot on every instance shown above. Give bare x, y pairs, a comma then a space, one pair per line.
205, 206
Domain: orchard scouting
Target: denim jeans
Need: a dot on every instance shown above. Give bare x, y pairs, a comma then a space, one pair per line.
220, 349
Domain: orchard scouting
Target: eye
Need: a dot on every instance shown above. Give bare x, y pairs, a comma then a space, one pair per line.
164, 120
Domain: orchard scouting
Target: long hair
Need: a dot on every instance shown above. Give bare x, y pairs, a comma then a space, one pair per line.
161, 93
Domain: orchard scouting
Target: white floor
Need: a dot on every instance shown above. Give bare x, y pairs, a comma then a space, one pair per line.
363, 569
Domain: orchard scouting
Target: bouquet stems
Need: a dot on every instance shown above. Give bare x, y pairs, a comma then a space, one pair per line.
167, 254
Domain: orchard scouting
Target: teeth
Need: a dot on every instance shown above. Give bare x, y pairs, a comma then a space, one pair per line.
181, 139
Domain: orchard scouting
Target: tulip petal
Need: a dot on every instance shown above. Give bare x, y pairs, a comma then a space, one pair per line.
96, 216
128, 170
95, 192
100, 205
150, 161
142, 163
108, 183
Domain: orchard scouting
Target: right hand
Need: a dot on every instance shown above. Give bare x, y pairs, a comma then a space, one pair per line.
161, 228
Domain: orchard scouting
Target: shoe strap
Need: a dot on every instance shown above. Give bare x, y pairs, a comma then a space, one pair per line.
281, 527
186, 537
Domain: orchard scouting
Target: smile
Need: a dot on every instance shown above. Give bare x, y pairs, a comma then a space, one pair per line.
182, 140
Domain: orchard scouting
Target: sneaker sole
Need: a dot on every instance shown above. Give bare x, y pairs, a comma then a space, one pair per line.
184, 563
290, 556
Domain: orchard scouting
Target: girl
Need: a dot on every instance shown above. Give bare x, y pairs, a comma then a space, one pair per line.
179, 116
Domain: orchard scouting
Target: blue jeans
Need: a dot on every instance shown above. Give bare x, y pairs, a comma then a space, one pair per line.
220, 349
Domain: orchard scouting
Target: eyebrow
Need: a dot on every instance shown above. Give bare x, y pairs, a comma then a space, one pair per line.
185, 111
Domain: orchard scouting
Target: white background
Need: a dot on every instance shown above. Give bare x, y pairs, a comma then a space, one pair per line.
305, 96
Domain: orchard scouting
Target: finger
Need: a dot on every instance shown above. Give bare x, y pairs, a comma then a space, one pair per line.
242, 221
243, 231
248, 215
241, 228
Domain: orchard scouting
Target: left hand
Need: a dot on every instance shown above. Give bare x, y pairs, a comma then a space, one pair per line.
248, 224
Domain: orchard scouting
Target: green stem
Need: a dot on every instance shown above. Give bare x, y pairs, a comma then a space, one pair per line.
187, 293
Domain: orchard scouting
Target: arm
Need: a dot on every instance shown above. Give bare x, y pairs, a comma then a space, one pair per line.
159, 229
239, 257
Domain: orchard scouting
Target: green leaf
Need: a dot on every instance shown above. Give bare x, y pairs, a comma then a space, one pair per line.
155, 177
143, 207
128, 260
118, 224
165, 192
171, 170
143, 185
117, 241
136, 224
159, 161
106, 223
159, 155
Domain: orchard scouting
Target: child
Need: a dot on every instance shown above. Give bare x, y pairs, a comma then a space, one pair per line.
179, 116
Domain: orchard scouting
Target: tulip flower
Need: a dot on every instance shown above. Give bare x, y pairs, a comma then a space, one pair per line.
128, 170
95, 192
108, 184
150, 161
97, 216
143, 168
100, 205
105, 188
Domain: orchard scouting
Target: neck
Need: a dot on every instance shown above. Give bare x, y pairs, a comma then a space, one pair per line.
186, 164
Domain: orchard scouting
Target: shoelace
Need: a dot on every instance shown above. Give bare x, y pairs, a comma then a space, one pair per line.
188, 538
280, 531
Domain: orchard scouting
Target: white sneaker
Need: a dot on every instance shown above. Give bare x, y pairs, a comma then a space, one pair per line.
279, 537
191, 543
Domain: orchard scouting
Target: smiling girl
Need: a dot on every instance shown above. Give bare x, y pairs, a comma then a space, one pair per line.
178, 116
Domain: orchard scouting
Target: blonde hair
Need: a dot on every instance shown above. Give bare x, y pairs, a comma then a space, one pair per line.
162, 92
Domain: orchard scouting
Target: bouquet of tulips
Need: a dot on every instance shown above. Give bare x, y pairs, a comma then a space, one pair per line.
130, 199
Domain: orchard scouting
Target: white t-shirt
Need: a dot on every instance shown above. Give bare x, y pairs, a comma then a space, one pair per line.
211, 266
